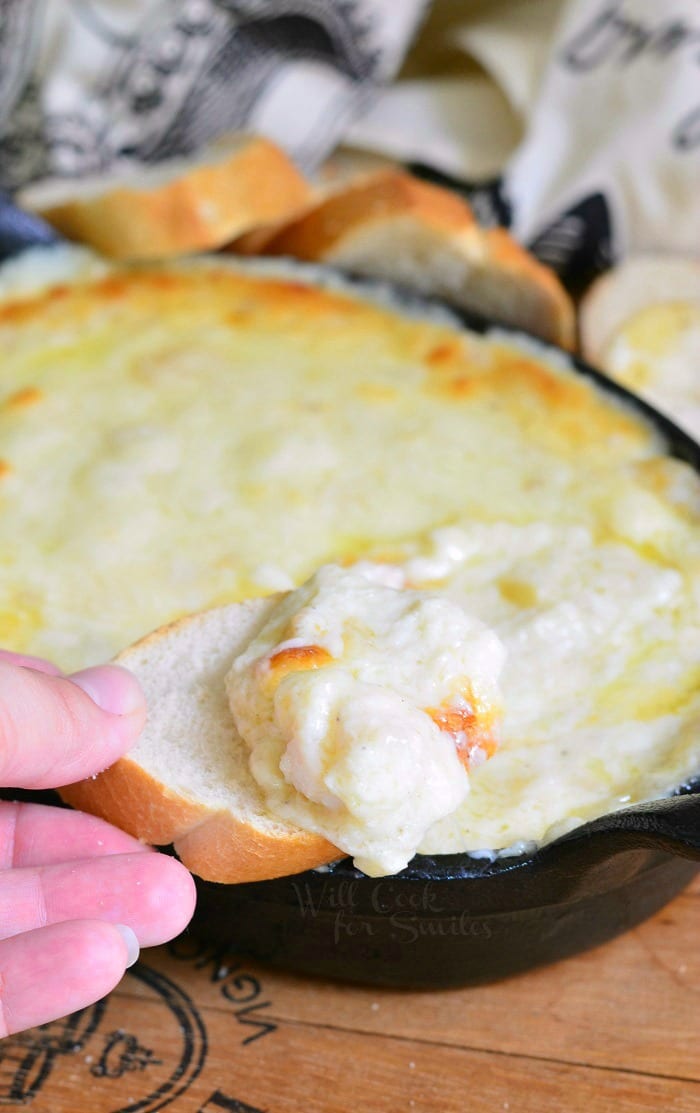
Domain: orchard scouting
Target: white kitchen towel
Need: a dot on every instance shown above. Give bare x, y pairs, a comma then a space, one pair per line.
589, 111
576, 121
612, 148
463, 98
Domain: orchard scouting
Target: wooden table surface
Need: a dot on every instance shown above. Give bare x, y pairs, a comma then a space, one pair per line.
196, 1031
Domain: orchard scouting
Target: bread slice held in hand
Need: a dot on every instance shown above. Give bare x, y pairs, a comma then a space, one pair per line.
393, 226
187, 781
182, 205
358, 706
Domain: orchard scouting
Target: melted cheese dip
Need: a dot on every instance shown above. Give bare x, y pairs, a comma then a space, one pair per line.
174, 438
601, 682
363, 704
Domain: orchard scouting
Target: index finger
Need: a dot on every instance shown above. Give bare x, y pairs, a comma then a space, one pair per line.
38, 663
55, 730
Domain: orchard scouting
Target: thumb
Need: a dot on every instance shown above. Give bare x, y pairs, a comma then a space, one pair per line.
55, 730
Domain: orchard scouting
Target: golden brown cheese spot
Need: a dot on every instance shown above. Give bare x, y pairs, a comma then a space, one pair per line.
116, 286
538, 380
58, 293
23, 399
217, 295
565, 411
453, 371
207, 298
572, 407
283, 295
17, 312
462, 386
297, 658
518, 592
473, 729
163, 280
5, 468
444, 353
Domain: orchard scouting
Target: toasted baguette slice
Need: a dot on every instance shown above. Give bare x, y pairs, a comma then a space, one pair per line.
187, 780
343, 168
254, 241
348, 166
394, 226
641, 281
235, 184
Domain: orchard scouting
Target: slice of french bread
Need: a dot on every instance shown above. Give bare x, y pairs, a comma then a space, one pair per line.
391, 225
342, 169
187, 781
182, 205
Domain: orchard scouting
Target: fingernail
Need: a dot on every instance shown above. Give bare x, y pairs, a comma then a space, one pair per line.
132, 943
111, 687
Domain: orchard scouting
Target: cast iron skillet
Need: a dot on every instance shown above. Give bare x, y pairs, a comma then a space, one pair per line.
453, 920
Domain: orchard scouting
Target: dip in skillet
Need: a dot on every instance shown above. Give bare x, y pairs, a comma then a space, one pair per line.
176, 438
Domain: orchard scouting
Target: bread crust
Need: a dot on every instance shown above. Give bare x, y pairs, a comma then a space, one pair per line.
226, 850
318, 232
214, 844
129, 797
329, 229
343, 169
209, 203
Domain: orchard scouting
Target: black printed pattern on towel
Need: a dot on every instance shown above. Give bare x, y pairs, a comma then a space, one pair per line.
196, 69
577, 245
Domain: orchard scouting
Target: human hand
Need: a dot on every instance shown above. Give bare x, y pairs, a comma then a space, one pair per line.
77, 896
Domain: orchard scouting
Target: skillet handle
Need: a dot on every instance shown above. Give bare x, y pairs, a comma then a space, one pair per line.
20, 230
672, 825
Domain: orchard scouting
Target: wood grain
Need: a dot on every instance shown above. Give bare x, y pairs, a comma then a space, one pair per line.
205, 1032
